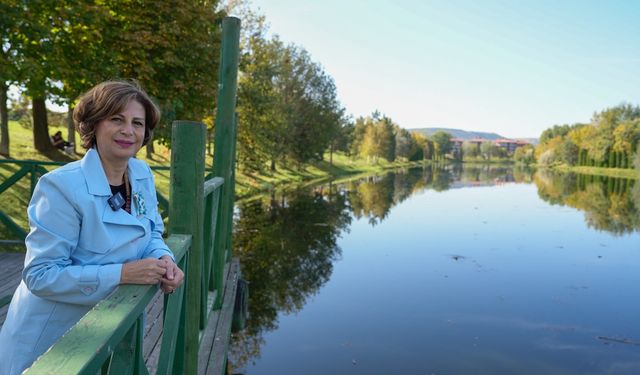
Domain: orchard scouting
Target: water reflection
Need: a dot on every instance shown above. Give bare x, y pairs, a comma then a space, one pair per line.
609, 204
287, 242
287, 246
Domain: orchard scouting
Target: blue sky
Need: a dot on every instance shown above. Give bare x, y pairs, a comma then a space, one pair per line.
512, 67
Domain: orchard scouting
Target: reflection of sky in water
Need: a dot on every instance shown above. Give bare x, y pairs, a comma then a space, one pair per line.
487, 280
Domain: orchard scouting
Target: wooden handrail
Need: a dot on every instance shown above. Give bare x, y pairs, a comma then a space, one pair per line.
89, 345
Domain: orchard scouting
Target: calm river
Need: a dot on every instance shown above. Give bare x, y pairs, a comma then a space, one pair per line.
443, 271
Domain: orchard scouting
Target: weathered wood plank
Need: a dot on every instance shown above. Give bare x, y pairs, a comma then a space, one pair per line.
11, 265
218, 356
153, 323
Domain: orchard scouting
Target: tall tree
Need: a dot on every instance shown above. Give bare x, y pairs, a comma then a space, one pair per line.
313, 112
33, 45
8, 69
442, 143
264, 129
172, 48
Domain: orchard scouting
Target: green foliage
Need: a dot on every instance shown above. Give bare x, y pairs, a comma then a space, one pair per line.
471, 150
59, 49
442, 143
608, 202
555, 131
636, 159
569, 152
608, 141
287, 104
376, 137
524, 155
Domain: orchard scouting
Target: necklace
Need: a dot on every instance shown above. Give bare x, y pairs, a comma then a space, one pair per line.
127, 189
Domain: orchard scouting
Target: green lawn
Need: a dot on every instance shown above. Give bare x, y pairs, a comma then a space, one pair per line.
596, 171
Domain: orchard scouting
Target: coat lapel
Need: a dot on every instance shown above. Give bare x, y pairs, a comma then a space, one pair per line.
98, 185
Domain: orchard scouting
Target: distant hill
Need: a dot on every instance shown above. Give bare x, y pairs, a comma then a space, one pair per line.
464, 134
458, 133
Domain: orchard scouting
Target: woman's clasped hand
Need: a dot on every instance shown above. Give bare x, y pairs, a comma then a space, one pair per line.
153, 271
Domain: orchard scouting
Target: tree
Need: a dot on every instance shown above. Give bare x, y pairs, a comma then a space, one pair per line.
442, 143
260, 105
487, 150
62, 48
8, 68
568, 152
470, 149
32, 45
312, 110
404, 143
386, 138
555, 131
636, 162
172, 48
524, 154
359, 131
625, 137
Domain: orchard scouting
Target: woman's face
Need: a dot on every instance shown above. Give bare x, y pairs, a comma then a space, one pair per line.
120, 136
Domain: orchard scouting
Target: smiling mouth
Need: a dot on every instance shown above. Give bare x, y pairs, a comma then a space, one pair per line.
125, 143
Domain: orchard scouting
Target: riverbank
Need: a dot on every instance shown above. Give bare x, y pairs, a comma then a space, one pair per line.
342, 166
596, 171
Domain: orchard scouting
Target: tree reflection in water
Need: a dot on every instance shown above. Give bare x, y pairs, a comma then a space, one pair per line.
287, 242
610, 204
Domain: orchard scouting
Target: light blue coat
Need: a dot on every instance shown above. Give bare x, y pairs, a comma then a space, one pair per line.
75, 250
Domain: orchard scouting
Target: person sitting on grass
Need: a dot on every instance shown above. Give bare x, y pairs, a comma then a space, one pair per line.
58, 141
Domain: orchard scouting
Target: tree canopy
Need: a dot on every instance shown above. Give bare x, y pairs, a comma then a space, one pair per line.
57, 50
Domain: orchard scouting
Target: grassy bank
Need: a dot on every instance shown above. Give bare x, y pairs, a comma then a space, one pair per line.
596, 171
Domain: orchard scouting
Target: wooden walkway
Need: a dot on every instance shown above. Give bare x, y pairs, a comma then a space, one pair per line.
10, 274
11, 265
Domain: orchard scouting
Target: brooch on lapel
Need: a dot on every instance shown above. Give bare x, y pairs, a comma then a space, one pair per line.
141, 209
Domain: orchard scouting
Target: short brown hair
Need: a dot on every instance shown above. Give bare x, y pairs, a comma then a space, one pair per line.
107, 99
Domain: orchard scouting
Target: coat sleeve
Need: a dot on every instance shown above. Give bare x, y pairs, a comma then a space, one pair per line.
55, 221
156, 247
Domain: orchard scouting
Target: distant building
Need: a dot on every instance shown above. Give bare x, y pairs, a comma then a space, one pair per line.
456, 145
510, 144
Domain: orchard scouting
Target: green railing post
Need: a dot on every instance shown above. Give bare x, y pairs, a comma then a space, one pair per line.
225, 142
187, 217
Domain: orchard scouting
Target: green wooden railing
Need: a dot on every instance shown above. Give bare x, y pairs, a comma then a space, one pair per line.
33, 169
198, 316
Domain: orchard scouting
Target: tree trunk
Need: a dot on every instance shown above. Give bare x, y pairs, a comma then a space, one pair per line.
41, 140
4, 121
273, 165
71, 130
331, 154
150, 149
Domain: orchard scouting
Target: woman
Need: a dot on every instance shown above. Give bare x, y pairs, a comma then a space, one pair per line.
94, 225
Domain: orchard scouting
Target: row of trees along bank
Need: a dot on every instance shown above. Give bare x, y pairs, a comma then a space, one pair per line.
610, 140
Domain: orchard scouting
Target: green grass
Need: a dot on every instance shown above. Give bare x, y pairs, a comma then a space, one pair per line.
596, 171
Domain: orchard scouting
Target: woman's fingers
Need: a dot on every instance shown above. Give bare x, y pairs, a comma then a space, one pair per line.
144, 271
170, 265
172, 284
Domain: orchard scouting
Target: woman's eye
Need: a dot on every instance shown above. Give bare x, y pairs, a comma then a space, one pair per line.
138, 124
116, 119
